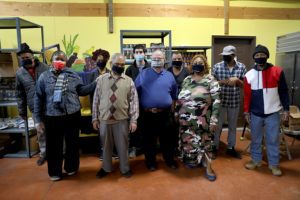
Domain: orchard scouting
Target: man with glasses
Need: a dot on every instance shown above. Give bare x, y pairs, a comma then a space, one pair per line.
115, 113
157, 91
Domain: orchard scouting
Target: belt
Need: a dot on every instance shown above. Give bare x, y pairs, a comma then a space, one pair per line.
155, 110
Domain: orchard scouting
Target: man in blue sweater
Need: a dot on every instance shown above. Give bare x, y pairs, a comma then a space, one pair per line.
157, 91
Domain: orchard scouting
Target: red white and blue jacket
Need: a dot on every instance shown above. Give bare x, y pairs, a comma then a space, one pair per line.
265, 91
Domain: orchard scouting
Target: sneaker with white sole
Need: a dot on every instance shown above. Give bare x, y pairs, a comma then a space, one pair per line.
55, 178
71, 173
252, 165
276, 171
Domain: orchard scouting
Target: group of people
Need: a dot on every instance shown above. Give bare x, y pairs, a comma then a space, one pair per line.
181, 108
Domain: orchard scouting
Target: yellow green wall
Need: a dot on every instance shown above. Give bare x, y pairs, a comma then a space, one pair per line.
93, 31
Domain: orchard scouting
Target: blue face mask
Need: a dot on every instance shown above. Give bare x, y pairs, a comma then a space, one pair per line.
139, 57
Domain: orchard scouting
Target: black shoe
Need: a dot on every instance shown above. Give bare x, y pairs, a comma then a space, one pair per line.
172, 164
233, 153
132, 152
151, 167
127, 174
214, 154
115, 156
101, 173
41, 161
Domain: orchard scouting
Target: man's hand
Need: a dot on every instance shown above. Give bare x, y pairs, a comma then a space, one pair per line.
132, 127
233, 81
213, 128
285, 116
224, 82
96, 125
40, 127
247, 117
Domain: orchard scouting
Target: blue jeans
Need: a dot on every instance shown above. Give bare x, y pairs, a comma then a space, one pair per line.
271, 124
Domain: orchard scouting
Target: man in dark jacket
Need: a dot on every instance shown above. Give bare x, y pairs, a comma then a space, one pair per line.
133, 71
26, 78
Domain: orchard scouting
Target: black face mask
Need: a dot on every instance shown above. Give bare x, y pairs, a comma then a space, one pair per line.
198, 68
27, 63
117, 69
177, 64
227, 58
101, 65
260, 61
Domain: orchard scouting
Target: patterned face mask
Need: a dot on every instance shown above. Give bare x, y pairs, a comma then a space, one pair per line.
157, 63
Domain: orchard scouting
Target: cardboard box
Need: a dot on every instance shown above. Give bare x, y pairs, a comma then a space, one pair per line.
34, 146
294, 121
8, 64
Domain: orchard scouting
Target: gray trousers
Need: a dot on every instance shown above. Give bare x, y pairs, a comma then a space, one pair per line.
41, 136
232, 117
41, 139
115, 135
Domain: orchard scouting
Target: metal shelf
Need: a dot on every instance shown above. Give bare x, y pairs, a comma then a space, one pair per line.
145, 33
19, 24
8, 103
15, 131
148, 34
20, 154
189, 48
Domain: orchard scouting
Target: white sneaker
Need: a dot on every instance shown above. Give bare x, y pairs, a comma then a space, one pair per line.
71, 173
55, 178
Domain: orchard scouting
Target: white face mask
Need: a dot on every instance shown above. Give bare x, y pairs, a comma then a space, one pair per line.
157, 63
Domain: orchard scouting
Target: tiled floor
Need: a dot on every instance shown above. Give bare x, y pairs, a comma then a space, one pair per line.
23, 179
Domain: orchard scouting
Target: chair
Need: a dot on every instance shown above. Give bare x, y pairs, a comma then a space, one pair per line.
295, 134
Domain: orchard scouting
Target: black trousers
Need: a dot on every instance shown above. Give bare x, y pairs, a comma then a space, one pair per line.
156, 126
59, 129
135, 139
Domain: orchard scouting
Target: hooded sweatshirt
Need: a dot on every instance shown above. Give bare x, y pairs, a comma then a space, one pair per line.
265, 91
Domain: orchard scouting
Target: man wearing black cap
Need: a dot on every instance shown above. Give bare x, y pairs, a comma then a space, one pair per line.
266, 94
26, 78
230, 74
